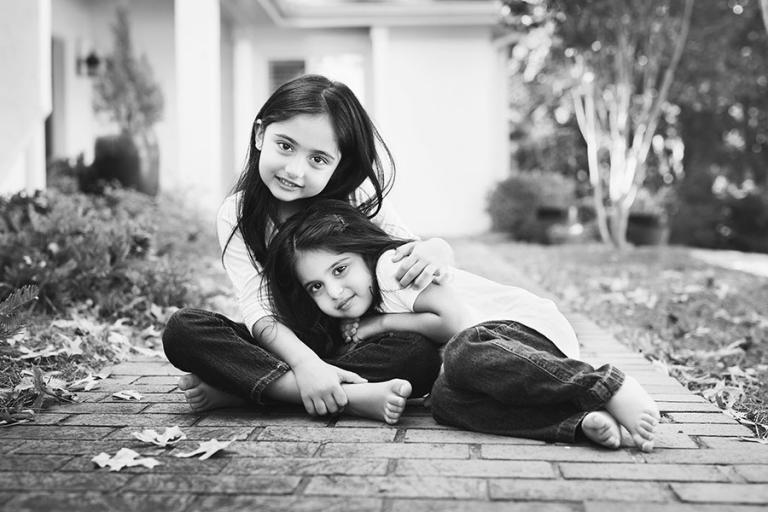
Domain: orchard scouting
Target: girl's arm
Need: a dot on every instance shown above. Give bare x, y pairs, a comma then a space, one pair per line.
438, 314
319, 383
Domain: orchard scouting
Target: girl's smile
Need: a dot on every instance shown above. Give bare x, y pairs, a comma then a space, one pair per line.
340, 284
298, 156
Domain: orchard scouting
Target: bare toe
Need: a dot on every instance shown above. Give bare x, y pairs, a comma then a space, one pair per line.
601, 428
188, 381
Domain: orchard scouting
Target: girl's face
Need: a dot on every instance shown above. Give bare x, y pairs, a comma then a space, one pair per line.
298, 156
340, 283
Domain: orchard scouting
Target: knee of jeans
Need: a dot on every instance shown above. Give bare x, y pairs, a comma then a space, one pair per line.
455, 352
176, 332
438, 396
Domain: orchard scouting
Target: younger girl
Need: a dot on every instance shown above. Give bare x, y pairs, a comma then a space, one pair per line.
311, 139
511, 366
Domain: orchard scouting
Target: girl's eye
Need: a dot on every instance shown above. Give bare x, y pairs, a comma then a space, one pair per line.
319, 160
284, 146
339, 270
314, 288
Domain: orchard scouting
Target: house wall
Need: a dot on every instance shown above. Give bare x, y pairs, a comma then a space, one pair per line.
189, 134
25, 96
83, 25
434, 92
74, 125
439, 101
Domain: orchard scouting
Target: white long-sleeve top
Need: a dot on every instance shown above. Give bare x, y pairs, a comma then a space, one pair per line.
251, 290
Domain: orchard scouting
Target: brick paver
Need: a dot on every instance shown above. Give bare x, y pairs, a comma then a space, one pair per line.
284, 460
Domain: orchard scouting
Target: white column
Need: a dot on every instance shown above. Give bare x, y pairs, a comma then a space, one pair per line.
25, 97
198, 97
380, 69
244, 97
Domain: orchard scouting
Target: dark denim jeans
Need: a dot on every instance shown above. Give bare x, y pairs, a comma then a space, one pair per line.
225, 355
504, 378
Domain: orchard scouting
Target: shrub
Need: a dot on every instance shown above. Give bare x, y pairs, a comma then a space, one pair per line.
102, 250
514, 202
747, 223
696, 219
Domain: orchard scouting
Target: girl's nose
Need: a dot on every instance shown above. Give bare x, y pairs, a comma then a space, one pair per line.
334, 290
295, 168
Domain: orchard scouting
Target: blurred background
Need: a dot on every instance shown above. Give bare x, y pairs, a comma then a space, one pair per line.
553, 121
619, 148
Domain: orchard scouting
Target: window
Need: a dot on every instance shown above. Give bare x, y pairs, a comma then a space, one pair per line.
280, 71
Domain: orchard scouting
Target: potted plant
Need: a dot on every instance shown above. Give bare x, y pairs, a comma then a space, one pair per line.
127, 93
648, 222
528, 203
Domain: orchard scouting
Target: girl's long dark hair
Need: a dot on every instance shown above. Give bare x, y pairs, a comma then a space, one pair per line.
331, 225
356, 137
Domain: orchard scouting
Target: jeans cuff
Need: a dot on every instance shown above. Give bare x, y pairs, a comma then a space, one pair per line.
568, 429
604, 389
258, 388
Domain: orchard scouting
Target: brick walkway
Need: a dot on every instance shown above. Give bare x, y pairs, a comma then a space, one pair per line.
285, 461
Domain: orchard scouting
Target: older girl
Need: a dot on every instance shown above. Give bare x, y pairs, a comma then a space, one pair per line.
312, 139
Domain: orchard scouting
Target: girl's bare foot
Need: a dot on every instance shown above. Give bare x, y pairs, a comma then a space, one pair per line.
601, 428
636, 411
383, 401
202, 397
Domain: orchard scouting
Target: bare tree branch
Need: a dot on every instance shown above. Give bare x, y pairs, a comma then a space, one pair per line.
764, 8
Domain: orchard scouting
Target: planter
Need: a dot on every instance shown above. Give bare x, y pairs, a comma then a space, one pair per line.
647, 229
131, 160
551, 221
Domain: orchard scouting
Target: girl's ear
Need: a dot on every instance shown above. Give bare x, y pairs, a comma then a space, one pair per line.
259, 137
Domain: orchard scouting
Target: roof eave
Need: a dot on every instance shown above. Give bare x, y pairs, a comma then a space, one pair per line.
348, 15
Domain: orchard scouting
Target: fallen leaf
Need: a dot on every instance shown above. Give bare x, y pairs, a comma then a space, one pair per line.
207, 449
48, 351
170, 437
148, 351
128, 394
124, 457
88, 383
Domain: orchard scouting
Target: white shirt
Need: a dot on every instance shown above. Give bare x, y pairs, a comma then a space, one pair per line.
486, 300
251, 290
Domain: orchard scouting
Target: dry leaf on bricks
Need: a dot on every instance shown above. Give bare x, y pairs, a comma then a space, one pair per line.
88, 383
207, 449
128, 394
124, 457
170, 437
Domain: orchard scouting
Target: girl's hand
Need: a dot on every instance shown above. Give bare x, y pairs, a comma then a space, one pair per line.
349, 330
358, 329
319, 385
423, 263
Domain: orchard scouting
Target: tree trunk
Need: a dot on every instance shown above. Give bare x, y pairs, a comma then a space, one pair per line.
149, 161
764, 8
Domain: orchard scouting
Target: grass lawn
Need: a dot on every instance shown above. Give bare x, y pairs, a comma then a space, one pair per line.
707, 325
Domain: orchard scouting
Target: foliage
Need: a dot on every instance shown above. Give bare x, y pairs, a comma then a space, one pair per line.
723, 92
705, 325
514, 201
612, 63
126, 91
543, 138
109, 275
76, 248
11, 321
